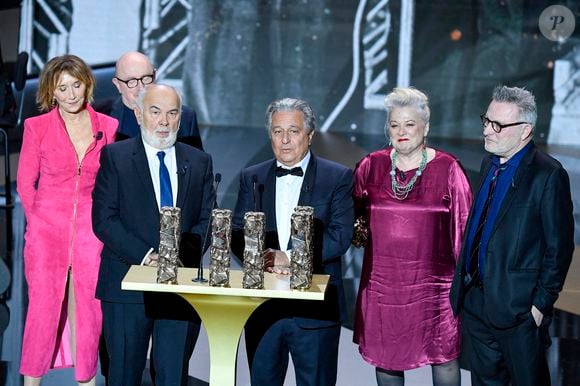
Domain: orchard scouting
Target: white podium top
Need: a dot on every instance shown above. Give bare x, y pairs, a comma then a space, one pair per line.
141, 278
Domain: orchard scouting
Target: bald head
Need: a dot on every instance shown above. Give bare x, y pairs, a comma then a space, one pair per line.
132, 66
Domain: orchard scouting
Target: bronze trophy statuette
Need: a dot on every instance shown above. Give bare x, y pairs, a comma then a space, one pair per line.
169, 237
253, 251
221, 235
302, 228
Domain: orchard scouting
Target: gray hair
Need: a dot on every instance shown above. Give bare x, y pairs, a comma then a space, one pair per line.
407, 97
520, 97
143, 91
289, 105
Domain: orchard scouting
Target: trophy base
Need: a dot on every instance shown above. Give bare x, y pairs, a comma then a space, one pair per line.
301, 289
173, 282
221, 285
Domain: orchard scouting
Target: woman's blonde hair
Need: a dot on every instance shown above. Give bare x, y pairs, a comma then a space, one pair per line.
407, 97
51, 73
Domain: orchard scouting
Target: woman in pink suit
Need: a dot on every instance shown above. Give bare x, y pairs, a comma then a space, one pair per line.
415, 200
56, 175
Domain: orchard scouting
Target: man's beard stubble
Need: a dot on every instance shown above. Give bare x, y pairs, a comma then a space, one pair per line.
159, 143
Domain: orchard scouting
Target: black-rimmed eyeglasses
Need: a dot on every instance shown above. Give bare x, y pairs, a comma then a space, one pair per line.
133, 82
496, 126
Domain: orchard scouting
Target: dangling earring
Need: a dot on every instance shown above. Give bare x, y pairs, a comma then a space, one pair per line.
53, 101
390, 143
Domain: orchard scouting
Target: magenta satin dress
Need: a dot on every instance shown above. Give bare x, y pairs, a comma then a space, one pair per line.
403, 315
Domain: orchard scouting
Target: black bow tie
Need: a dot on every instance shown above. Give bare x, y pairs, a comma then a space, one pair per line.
281, 172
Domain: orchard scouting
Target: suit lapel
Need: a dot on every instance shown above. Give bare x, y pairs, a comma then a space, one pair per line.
482, 173
117, 112
308, 182
270, 196
141, 166
117, 109
183, 175
508, 200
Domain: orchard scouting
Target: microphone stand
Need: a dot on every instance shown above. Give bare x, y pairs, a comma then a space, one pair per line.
200, 278
254, 182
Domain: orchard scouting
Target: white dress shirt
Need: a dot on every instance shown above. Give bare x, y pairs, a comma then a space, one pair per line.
171, 164
287, 195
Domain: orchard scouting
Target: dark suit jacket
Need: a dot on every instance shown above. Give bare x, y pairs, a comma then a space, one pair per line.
188, 130
126, 216
531, 244
327, 187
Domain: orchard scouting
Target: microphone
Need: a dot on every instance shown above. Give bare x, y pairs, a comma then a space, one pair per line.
401, 174
20, 72
200, 278
20, 75
254, 182
217, 180
260, 194
98, 136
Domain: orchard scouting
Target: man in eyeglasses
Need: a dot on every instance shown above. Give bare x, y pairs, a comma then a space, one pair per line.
133, 72
517, 249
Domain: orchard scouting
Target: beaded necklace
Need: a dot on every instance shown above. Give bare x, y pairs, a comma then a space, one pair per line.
402, 191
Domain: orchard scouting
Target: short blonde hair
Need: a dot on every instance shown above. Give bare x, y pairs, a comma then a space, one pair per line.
408, 97
50, 75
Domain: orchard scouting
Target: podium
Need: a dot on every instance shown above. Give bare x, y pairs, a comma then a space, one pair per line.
223, 310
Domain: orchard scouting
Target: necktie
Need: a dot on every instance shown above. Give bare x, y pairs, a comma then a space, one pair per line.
281, 172
166, 196
473, 276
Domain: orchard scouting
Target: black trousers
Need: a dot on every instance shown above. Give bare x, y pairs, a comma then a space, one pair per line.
314, 353
500, 356
127, 331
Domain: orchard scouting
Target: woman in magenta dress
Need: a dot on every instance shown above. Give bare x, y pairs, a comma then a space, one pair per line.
56, 175
415, 201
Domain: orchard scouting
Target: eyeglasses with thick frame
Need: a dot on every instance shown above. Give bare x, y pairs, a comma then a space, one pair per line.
496, 126
133, 82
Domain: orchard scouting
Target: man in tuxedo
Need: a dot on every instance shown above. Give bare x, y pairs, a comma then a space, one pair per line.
133, 72
308, 330
517, 249
137, 177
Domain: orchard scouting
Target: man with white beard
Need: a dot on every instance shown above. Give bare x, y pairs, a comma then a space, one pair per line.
137, 177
